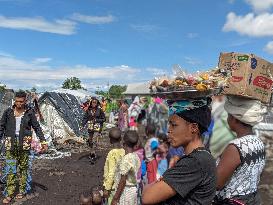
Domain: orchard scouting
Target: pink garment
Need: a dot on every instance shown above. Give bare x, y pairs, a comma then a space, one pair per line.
158, 100
36, 145
152, 171
132, 122
123, 117
140, 154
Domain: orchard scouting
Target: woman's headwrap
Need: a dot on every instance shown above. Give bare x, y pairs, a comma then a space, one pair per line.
248, 111
193, 111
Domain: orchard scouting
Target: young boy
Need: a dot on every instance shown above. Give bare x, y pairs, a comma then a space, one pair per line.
150, 150
113, 158
126, 178
161, 156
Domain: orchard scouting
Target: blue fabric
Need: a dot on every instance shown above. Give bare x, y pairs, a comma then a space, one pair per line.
143, 168
154, 145
176, 152
162, 166
180, 106
210, 129
29, 172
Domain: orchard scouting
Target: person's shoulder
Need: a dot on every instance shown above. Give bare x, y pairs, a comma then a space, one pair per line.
116, 151
129, 156
112, 151
203, 157
9, 109
243, 140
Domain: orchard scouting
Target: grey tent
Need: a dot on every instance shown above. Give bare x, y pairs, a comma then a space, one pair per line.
6, 100
62, 115
140, 89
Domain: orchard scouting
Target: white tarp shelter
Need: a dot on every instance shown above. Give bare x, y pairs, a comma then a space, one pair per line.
137, 89
81, 94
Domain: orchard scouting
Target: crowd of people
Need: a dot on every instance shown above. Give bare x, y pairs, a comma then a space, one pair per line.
178, 168
170, 163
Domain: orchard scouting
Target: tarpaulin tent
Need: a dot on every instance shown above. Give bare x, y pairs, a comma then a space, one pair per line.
62, 115
6, 99
80, 94
137, 89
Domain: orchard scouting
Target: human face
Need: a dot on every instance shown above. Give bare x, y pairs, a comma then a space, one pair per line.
20, 102
94, 103
180, 131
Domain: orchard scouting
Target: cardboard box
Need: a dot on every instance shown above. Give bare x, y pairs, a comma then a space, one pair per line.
251, 76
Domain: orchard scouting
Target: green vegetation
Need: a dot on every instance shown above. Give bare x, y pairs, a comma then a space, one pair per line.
72, 84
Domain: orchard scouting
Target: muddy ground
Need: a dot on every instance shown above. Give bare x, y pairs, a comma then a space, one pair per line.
61, 181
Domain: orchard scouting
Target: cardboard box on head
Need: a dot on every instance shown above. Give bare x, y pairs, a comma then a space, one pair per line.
251, 76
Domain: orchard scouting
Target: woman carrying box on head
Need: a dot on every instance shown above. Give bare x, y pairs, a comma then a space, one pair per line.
241, 163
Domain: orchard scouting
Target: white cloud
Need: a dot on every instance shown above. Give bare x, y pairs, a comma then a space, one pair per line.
41, 60
4, 54
11, 63
269, 47
29, 71
192, 61
260, 5
250, 24
144, 28
64, 27
157, 71
17, 73
192, 35
93, 19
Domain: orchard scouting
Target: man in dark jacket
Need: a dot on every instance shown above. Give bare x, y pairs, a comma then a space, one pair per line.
16, 127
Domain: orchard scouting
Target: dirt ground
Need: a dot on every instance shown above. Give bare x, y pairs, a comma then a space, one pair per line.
61, 181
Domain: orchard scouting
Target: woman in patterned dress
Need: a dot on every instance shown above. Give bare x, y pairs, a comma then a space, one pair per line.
241, 163
123, 116
94, 118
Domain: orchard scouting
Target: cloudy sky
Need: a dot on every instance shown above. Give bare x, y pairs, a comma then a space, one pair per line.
120, 41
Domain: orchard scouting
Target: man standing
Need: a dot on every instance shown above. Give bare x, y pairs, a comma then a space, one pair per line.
16, 126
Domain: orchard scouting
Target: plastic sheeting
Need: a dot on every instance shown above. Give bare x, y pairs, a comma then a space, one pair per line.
53, 154
82, 95
62, 115
6, 99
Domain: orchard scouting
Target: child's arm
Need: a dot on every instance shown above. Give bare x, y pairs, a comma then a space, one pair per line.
120, 189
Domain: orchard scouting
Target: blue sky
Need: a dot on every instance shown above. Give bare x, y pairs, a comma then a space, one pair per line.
120, 41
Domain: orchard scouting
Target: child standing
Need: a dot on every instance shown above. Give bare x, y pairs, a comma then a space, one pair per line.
140, 153
161, 156
126, 175
150, 151
112, 160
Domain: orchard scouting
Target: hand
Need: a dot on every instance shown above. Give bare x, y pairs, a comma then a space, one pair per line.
173, 161
105, 193
160, 179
